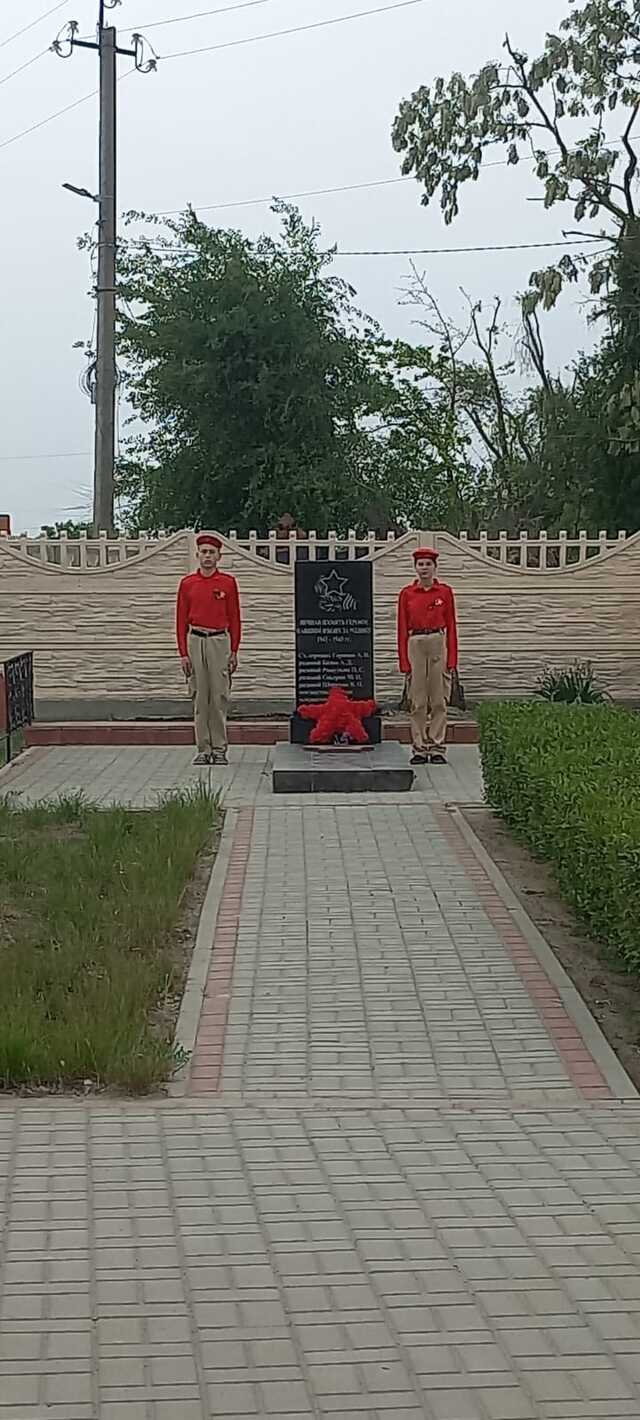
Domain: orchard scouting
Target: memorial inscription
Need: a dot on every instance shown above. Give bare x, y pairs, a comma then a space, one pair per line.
334, 629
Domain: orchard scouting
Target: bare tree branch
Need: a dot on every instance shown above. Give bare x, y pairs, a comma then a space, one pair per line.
598, 193
631, 168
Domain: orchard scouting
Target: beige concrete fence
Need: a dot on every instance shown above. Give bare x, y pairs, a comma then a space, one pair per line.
99, 615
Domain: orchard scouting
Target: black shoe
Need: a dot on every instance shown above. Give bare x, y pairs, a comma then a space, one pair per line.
437, 759
419, 757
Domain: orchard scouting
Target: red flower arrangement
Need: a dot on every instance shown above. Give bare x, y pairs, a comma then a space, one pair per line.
338, 719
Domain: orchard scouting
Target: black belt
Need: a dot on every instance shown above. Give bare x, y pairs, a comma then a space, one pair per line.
222, 632
429, 631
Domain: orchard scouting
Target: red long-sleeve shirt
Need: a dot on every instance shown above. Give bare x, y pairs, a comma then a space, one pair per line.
427, 609
212, 603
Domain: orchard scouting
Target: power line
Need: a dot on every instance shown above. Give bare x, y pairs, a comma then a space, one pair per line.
59, 112
297, 29
20, 458
288, 197
173, 250
22, 67
443, 251
324, 191
320, 24
25, 29
43, 121
200, 15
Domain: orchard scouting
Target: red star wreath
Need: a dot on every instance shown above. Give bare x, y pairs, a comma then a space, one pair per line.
338, 719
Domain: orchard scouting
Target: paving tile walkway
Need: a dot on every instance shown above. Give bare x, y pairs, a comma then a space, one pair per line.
139, 774
401, 1178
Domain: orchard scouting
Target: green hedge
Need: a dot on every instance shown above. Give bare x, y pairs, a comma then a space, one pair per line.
567, 781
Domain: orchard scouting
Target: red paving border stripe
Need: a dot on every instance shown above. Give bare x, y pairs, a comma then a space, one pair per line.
579, 1064
180, 732
208, 1055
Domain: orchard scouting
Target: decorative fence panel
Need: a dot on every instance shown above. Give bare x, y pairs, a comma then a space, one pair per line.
99, 614
541, 552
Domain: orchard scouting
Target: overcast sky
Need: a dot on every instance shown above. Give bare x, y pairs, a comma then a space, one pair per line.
304, 111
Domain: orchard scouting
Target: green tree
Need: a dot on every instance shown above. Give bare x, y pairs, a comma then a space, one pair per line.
585, 75
464, 376
558, 110
255, 376
72, 529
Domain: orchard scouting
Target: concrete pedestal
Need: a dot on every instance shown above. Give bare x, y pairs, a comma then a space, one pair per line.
382, 769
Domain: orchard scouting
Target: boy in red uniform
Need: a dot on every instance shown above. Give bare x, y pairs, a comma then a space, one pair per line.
208, 629
428, 651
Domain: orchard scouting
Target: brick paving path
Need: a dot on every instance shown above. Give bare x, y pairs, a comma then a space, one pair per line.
402, 1179
370, 954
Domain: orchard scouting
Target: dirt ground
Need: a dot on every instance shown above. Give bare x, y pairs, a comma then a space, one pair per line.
612, 996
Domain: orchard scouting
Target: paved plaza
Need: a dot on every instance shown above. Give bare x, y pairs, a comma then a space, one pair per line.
139, 774
400, 1177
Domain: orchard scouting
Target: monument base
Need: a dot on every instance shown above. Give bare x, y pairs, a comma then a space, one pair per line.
385, 769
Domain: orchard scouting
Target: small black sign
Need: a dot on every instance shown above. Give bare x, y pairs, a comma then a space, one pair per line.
334, 629
18, 679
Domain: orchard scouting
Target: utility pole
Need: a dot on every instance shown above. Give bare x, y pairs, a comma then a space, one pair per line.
106, 45
105, 431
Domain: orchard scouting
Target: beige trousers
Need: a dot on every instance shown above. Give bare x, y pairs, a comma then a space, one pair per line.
209, 685
429, 692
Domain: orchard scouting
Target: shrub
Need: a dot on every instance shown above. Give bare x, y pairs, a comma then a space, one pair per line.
567, 781
574, 685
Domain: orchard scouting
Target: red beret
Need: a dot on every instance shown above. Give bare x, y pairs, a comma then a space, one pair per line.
425, 554
208, 540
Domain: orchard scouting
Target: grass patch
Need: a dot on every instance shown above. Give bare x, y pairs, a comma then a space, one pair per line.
90, 902
567, 780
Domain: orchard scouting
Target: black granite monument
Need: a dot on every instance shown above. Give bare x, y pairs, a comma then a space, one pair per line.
334, 646
334, 637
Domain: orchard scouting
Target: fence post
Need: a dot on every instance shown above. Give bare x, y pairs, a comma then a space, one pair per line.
313, 545
562, 548
543, 551
331, 550
582, 545
272, 545
524, 552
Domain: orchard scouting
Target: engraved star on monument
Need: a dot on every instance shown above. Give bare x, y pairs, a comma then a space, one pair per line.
334, 583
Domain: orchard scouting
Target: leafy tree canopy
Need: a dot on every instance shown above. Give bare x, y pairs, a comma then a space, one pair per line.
255, 375
586, 78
